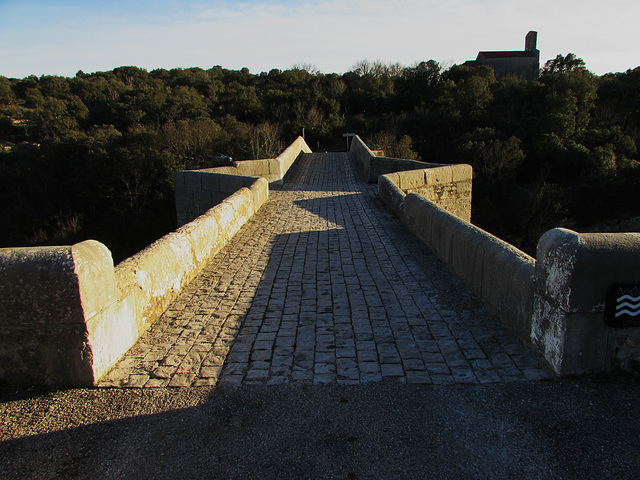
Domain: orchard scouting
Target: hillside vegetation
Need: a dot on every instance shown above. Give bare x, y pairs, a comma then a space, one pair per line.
93, 156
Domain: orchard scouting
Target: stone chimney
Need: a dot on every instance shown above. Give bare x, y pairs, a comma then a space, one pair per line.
530, 41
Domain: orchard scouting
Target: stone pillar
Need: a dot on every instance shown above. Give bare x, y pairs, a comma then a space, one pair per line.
573, 274
50, 299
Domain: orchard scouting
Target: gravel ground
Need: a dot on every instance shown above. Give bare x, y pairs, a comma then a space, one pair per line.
570, 428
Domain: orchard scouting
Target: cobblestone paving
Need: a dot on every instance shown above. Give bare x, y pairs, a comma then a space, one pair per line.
324, 285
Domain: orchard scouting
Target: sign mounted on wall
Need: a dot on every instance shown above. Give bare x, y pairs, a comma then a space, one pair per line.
622, 308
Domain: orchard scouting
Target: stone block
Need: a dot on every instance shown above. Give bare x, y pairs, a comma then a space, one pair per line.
418, 210
462, 173
253, 168
111, 333
203, 234
573, 273
202, 198
507, 284
391, 194
442, 174
50, 300
232, 183
179, 179
442, 234
193, 180
468, 256
224, 215
45, 354
411, 179
259, 192
156, 275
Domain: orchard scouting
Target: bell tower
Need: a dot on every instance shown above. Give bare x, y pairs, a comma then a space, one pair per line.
530, 41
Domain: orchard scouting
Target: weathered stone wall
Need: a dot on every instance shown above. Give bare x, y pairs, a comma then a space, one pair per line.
272, 169
573, 273
156, 275
197, 191
497, 273
66, 315
555, 302
448, 186
374, 165
62, 321
435, 203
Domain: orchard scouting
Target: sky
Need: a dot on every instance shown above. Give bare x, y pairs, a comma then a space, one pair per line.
61, 37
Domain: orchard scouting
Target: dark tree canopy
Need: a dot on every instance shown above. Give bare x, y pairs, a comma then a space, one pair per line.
563, 64
93, 156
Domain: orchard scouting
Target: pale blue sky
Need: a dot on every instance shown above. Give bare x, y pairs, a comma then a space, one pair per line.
61, 37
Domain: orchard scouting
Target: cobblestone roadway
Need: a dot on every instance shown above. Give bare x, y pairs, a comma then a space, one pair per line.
324, 285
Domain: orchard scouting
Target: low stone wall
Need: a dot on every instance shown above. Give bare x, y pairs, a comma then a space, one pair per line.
373, 165
198, 190
556, 302
156, 275
435, 203
497, 273
448, 186
272, 169
67, 315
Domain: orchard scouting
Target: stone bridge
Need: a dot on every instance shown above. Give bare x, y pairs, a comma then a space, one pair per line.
324, 285
320, 278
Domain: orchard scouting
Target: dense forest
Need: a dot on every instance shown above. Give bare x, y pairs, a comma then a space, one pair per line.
93, 156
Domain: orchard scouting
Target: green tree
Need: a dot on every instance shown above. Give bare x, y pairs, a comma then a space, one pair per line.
393, 146
494, 159
564, 64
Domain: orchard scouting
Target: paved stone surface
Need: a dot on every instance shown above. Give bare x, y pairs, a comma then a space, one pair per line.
323, 285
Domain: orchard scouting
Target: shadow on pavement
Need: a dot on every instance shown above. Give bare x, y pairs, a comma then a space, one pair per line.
576, 428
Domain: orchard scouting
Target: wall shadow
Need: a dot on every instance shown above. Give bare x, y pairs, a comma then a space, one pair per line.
534, 430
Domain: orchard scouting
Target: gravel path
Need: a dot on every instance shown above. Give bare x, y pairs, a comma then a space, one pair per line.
558, 429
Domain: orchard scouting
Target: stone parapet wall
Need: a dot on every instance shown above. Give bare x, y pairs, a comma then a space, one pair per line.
291, 154
373, 165
62, 320
497, 273
198, 190
67, 315
555, 302
362, 154
272, 169
448, 186
156, 275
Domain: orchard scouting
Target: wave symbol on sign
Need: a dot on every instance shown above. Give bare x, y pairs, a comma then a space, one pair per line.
628, 305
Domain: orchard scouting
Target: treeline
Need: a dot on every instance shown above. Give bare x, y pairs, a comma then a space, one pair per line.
93, 156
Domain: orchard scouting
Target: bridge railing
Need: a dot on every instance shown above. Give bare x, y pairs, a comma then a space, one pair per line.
563, 302
198, 190
67, 314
